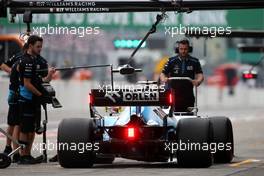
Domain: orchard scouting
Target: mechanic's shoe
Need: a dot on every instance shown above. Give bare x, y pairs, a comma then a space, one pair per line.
16, 158
28, 160
54, 159
39, 130
8, 149
39, 159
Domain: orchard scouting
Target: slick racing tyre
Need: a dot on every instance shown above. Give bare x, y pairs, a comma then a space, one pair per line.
193, 134
78, 132
223, 135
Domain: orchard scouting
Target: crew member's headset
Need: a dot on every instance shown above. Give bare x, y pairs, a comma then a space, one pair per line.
176, 49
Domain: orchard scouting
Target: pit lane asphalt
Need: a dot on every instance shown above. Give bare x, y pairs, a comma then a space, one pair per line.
249, 151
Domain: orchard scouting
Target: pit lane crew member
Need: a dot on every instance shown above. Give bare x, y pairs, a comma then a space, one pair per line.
29, 84
10, 66
183, 65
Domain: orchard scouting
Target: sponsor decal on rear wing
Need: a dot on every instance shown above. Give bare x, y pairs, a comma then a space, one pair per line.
130, 98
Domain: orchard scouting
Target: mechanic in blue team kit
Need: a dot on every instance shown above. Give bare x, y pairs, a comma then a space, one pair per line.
30, 95
183, 65
10, 66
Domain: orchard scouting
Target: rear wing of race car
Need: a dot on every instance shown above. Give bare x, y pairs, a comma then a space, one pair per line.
99, 97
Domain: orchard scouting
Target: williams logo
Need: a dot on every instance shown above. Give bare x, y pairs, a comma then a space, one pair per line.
112, 96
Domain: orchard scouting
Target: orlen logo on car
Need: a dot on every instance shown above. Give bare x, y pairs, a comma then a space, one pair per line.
140, 96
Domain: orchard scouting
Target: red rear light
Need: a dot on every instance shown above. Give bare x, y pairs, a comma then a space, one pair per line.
170, 98
91, 100
248, 76
131, 132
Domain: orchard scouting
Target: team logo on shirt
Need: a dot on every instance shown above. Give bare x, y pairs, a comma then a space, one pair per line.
190, 67
176, 69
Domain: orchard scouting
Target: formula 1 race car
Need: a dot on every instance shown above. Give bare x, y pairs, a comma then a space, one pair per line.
141, 125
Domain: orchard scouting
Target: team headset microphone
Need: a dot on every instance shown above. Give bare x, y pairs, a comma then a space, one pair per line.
176, 49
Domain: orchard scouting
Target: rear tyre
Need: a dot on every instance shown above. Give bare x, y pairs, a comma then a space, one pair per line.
223, 135
198, 132
76, 133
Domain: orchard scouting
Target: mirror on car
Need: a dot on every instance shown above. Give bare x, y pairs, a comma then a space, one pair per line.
126, 70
